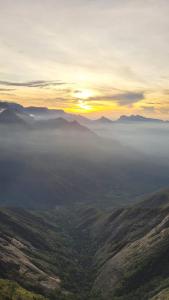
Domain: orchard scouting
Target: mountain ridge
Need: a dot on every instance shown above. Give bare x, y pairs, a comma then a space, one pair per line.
53, 113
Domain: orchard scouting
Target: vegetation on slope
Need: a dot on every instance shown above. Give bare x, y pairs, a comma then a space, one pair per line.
10, 290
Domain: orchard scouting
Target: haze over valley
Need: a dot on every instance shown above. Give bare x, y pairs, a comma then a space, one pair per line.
69, 188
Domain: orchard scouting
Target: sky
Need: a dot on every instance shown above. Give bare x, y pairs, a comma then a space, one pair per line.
90, 57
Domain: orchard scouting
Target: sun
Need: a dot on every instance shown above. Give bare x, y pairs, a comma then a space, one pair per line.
83, 94
83, 105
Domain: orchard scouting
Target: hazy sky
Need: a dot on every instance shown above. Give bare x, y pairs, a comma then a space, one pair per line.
87, 56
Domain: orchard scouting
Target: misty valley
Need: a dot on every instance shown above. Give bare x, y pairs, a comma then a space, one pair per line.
84, 206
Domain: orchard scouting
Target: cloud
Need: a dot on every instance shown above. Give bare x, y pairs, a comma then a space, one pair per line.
32, 84
129, 98
6, 90
164, 110
148, 109
123, 99
166, 91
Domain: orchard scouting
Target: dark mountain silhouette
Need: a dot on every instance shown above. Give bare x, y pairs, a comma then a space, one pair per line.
11, 106
8, 116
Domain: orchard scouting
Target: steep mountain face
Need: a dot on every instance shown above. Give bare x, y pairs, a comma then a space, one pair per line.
22, 235
132, 259
37, 253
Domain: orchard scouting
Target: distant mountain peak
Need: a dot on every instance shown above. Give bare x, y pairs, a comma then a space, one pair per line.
137, 118
104, 120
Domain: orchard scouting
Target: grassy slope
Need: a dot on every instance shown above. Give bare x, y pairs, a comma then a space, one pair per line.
12, 291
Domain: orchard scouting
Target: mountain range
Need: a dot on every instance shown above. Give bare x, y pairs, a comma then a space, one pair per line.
45, 113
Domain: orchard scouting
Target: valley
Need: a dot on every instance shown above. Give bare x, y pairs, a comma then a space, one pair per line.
88, 253
83, 216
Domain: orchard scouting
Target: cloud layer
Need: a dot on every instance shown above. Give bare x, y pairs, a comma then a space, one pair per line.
125, 98
31, 84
